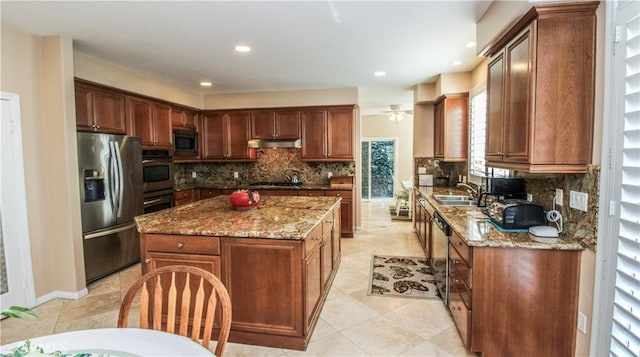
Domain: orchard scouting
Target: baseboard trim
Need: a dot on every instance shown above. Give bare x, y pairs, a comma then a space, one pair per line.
71, 295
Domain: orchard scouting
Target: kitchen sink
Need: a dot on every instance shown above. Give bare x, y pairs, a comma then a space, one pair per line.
455, 200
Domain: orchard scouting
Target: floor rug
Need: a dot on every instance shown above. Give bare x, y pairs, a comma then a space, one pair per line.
401, 277
403, 216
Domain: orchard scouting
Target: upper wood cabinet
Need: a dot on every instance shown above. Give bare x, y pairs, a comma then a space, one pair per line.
328, 134
275, 124
151, 121
451, 128
99, 110
225, 135
182, 117
541, 91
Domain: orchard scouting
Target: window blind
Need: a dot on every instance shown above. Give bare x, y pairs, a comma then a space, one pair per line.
625, 332
478, 130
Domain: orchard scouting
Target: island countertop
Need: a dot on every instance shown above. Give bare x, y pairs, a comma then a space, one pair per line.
276, 217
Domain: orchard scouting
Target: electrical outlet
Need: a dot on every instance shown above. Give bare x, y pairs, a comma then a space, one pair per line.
235, 174
558, 198
582, 322
193, 174
578, 200
529, 197
329, 174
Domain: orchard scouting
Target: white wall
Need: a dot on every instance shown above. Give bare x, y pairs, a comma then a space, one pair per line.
39, 69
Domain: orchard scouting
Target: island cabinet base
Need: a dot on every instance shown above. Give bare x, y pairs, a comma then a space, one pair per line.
277, 286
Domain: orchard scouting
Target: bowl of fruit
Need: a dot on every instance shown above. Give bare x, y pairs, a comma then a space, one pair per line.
243, 200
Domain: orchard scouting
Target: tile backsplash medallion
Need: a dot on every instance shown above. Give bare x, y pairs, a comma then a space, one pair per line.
271, 165
582, 226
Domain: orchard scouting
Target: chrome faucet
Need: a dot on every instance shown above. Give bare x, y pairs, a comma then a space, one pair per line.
475, 193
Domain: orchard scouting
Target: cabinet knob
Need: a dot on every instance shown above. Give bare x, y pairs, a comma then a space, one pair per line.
98, 126
323, 243
316, 238
338, 195
147, 260
456, 261
180, 245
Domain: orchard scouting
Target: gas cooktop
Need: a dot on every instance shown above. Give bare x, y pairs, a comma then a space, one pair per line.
277, 183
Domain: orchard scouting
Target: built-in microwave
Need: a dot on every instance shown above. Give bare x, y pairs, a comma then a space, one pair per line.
185, 143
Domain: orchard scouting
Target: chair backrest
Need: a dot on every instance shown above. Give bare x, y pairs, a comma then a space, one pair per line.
184, 297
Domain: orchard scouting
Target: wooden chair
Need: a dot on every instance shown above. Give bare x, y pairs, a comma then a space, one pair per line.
179, 296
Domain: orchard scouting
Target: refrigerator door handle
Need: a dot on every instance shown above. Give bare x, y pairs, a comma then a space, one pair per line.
110, 231
112, 178
119, 186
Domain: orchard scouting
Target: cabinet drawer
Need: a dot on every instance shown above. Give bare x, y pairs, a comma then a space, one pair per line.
310, 192
182, 244
462, 317
327, 224
343, 194
458, 285
459, 267
180, 195
461, 247
313, 240
209, 192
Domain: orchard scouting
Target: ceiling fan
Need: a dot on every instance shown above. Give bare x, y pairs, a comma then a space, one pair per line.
396, 113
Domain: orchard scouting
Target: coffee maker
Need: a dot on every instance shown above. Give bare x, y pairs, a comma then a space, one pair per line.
502, 188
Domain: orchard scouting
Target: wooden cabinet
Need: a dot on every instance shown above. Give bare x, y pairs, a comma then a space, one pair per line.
275, 124
422, 225
328, 134
536, 317
151, 121
541, 91
187, 196
282, 192
184, 118
346, 210
451, 127
225, 136
209, 192
99, 109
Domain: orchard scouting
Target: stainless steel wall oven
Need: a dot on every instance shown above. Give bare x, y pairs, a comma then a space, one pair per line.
158, 200
157, 170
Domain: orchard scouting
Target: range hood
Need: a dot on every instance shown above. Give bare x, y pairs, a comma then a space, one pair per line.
275, 143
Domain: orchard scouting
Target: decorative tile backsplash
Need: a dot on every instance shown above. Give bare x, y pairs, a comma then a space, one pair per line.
580, 225
272, 165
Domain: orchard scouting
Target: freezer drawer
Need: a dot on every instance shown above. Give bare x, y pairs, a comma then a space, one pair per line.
110, 250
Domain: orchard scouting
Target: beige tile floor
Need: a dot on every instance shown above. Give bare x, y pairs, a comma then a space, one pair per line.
351, 323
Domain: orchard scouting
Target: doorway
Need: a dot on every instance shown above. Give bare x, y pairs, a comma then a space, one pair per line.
378, 168
16, 280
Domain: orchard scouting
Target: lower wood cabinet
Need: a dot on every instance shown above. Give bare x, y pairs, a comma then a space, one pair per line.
277, 287
187, 196
514, 301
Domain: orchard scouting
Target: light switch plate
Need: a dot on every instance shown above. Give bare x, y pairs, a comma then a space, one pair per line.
558, 199
193, 174
578, 200
582, 322
235, 174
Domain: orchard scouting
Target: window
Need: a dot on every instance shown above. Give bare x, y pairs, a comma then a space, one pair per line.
478, 136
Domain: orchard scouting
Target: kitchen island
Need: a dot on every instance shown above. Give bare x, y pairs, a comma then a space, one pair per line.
277, 261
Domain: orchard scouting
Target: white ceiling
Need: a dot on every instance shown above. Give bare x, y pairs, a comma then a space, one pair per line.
296, 45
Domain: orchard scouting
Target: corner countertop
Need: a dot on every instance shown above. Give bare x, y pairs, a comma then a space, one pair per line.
479, 233
275, 217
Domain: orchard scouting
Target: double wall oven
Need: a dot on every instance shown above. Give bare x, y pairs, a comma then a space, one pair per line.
157, 177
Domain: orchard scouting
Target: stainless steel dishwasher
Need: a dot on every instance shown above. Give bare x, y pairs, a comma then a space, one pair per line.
440, 255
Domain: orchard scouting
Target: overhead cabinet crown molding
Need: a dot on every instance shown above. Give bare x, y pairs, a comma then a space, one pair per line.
540, 87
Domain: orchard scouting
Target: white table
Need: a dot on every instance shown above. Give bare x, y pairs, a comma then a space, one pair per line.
121, 342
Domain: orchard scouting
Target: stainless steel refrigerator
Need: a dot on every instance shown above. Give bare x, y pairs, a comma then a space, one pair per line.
110, 168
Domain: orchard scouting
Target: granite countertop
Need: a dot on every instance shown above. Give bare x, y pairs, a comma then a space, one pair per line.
481, 233
275, 218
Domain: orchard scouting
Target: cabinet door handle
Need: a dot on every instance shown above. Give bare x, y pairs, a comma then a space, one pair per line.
456, 261
180, 245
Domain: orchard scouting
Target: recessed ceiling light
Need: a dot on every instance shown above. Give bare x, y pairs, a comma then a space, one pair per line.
456, 63
242, 48
206, 84
470, 44
380, 73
